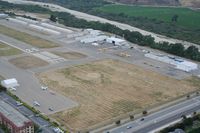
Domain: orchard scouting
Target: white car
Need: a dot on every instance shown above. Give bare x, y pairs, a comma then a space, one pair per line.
19, 103
57, 130
128, 127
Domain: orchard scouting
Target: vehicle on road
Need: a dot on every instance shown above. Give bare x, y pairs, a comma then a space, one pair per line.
19, 103
128, 127
57, 130
142, 119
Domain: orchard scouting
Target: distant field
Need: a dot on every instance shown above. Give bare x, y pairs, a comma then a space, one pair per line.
24, 37
6, 50
108, 88
187, 17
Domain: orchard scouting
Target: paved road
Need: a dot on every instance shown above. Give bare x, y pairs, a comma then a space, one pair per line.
160, 118
43, 124
89, 17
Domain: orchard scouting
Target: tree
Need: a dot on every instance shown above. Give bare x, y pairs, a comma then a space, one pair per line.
118, 122
53, 18
175, 18
194, 113
188, 122
184, 117
192, 52
144, 112
131, 117
176, 49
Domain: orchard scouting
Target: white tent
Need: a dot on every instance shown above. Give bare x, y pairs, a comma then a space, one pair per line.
9, 83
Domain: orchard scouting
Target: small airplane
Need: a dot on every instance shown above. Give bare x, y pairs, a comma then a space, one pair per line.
44, 87
35, 103
13, 89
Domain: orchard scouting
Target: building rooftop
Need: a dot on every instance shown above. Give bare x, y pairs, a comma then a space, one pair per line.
12, 114
10, 81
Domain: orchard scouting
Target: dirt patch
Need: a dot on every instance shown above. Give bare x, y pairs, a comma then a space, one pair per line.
28, 62
109, 88
71, 55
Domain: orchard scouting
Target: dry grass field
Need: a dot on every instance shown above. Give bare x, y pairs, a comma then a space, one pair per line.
70, 55
24, 37
6, 50
108, 88
27, 62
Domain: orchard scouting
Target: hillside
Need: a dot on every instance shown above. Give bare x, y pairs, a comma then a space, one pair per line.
189, 3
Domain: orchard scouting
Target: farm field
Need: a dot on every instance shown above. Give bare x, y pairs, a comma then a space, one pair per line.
6, 50
24, 37
186, 17
27, 62
108, 88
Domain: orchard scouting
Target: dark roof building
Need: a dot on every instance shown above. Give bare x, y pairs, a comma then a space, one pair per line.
14, 120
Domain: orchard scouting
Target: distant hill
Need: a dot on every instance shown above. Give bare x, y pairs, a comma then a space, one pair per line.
189, 3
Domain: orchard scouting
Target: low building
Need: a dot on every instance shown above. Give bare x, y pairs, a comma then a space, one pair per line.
93, 39
116, 41
3, 15
14, 120
179, 63
9, 83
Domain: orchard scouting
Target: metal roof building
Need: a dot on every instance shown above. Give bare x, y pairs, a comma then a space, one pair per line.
3, 15
179, 63
14, 120
116, 41
9, 83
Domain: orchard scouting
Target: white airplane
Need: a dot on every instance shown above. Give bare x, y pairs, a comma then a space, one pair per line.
13, 89
35, 103
44, 87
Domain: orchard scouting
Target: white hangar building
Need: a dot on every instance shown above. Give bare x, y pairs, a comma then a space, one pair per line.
9, 83
116, 41
180, 64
